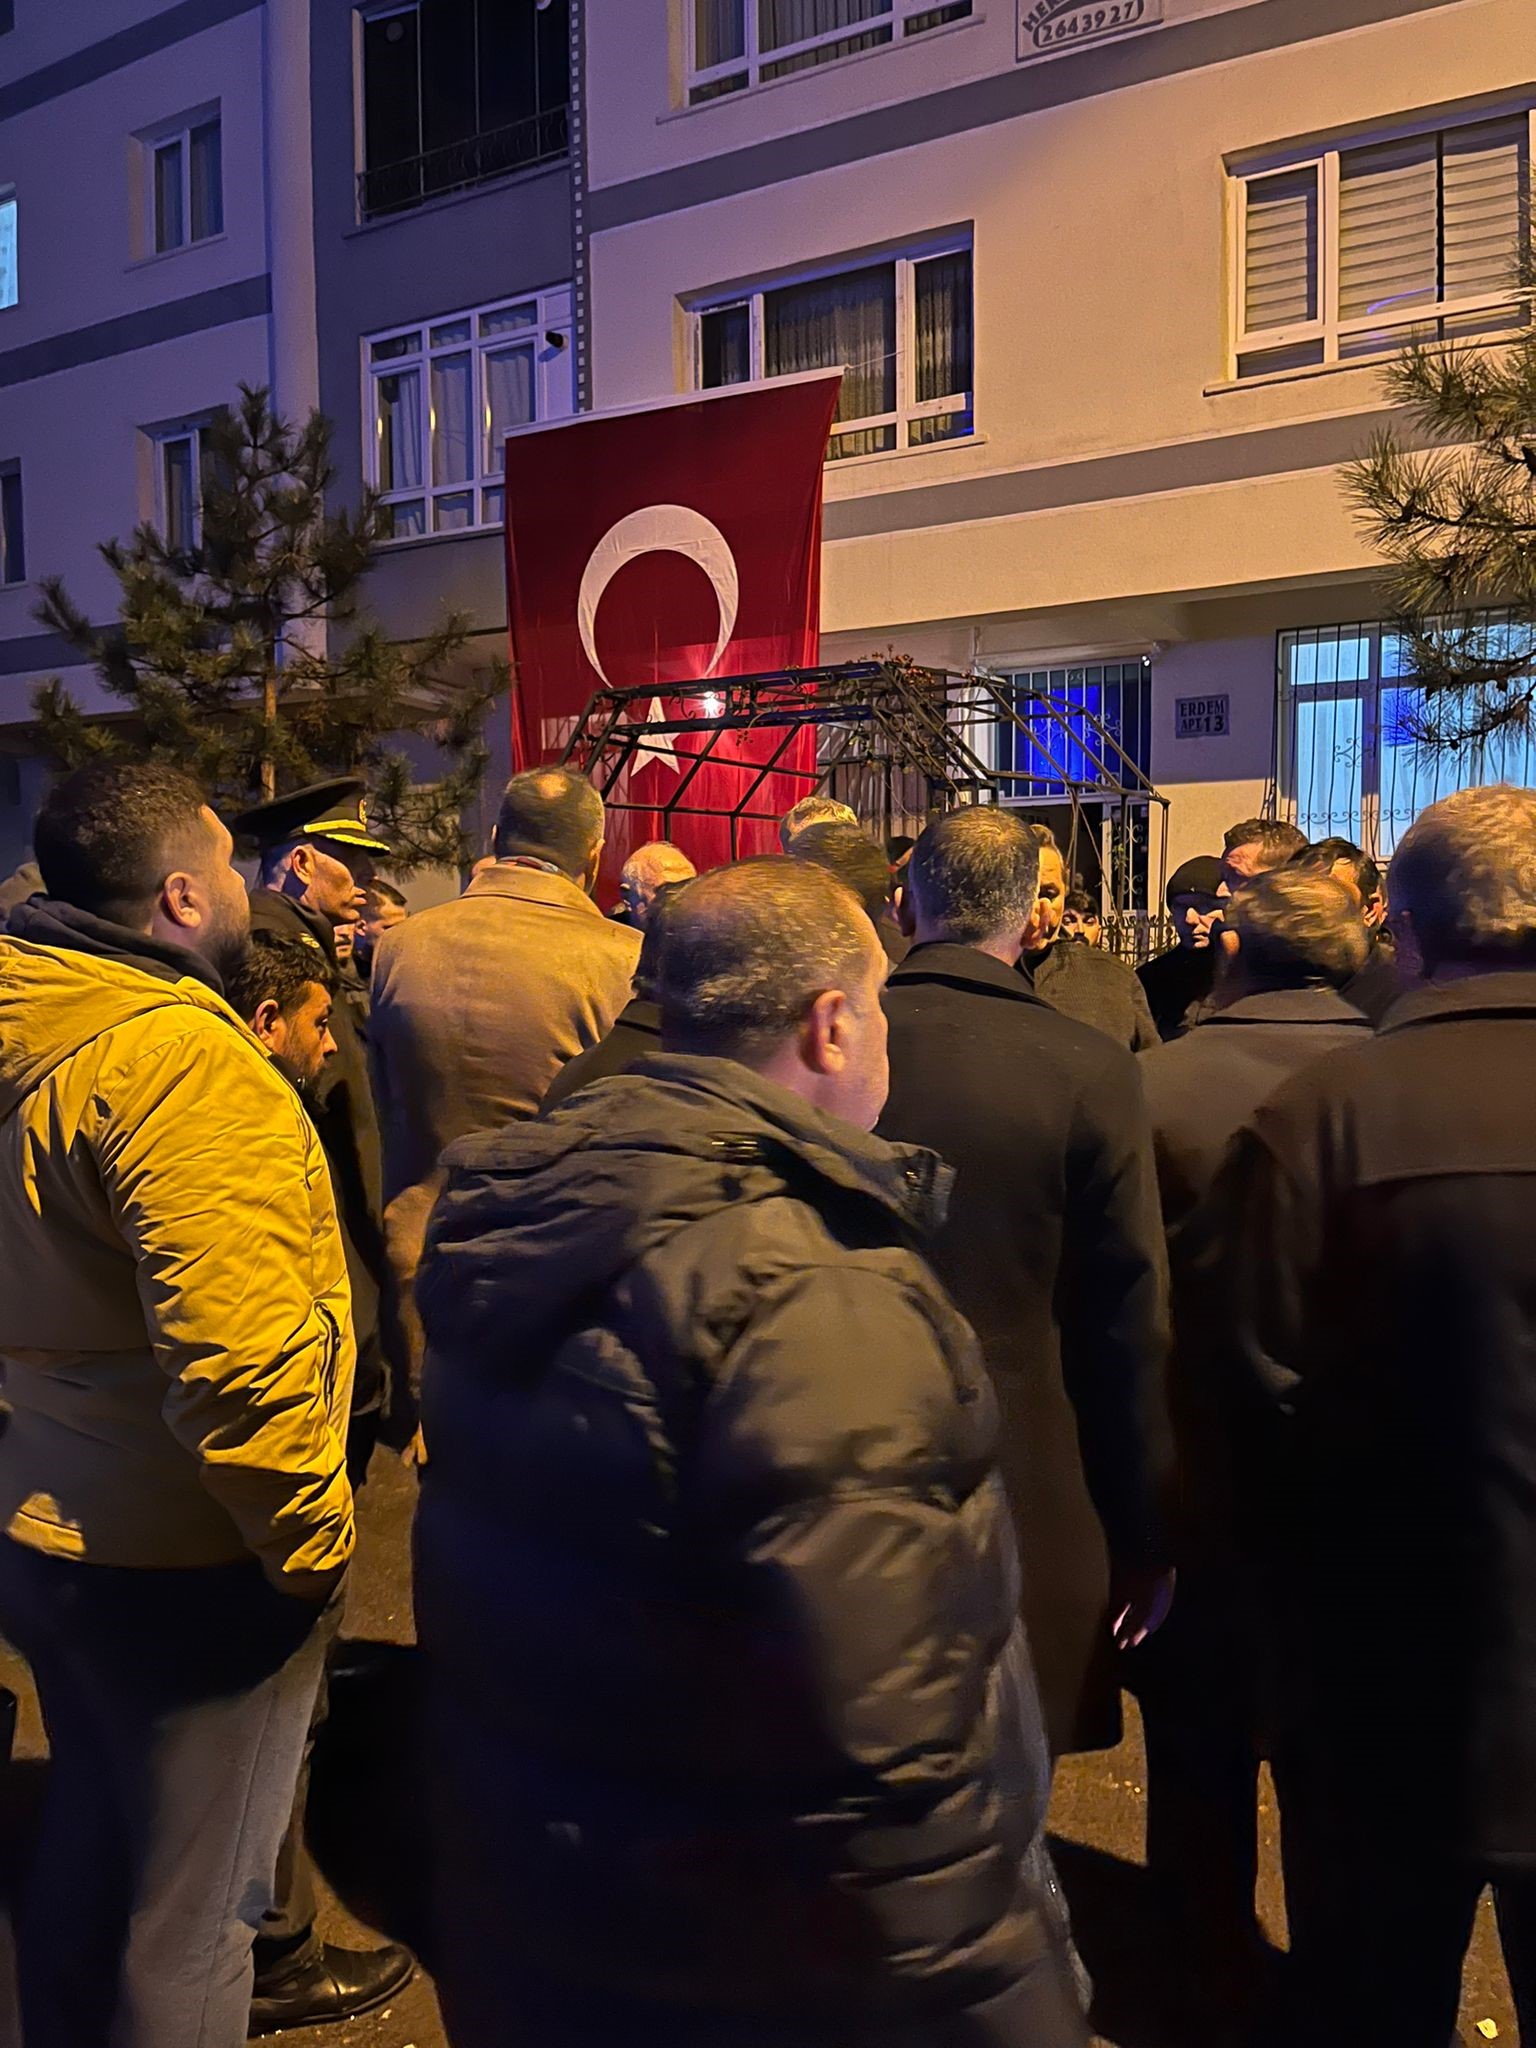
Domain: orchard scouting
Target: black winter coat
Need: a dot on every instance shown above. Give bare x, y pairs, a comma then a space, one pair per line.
1054, 1250
1370, 1247
716, 1583
342, 1106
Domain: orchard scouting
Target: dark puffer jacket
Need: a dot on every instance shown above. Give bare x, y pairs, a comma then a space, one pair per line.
716, 1579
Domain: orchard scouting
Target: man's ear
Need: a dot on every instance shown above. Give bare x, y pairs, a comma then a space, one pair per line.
906, 913
182, 901
266, 1021
593, 868
822, 1044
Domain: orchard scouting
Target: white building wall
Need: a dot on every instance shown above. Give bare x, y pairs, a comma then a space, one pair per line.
1121, 492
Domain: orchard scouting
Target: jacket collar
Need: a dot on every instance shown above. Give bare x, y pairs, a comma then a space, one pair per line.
1510, 992
47, 921
964, 967
532, 885
758, 1117
1316, 1005
271, 909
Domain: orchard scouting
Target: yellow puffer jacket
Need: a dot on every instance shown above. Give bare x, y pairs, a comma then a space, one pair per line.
175, 1329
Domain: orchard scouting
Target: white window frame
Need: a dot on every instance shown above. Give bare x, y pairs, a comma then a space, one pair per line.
749, 66
160, 439
553, 396
1327, 328
908, 409
180, 131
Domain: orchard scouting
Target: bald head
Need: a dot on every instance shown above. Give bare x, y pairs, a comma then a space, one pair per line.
813, 810
552, 814
774, 964
649, 868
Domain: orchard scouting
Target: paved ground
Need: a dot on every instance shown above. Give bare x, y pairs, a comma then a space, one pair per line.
365, 1843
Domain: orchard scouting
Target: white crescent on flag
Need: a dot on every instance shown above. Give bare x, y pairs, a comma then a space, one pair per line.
653, 530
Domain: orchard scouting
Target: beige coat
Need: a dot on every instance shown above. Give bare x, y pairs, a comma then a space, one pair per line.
477, 1005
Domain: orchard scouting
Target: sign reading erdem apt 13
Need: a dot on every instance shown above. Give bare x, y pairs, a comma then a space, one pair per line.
1046, 26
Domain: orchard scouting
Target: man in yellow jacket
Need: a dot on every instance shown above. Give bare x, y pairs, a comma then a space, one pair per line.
177, 1352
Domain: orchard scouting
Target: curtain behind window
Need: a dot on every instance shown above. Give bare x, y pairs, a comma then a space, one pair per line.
796, 21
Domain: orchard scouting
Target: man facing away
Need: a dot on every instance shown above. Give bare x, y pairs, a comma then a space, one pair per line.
1370, 1251
1290, 945
478, 1003
1053, 1249
177, 1350
735, 1729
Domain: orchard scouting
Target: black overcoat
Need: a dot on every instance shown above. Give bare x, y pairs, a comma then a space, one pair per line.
1054, 1250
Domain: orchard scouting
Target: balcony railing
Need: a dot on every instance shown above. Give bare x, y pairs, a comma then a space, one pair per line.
392, 188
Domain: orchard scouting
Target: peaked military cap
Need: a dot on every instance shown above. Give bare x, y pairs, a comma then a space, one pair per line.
335, 810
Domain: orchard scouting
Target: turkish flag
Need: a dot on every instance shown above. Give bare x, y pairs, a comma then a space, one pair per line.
664, 548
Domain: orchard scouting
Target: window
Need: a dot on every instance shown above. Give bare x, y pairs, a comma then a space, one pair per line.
13, 550
1353, 760
459, 91
900, 329
442, 398
186, 179
737, 43
1356, 251
9, 287
181, 459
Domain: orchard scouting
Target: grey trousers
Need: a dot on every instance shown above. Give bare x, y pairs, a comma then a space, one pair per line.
177, 1705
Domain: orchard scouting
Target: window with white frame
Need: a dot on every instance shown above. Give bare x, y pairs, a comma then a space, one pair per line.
900, 330
1356, 250
737, 43
440, 399
180, 456
9, 289
1354, 758
13, 549
185, 183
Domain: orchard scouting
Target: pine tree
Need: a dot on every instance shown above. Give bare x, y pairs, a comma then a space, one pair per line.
1457, 525
247, 661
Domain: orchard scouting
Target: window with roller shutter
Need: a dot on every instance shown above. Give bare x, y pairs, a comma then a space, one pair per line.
1362, 248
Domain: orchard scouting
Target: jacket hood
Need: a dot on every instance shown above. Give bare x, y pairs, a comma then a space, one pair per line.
542, 1216
66, 977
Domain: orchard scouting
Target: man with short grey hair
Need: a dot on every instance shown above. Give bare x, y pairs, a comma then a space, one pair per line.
1369, 1252
649, 868
1291, 942
714, 1576
813, 810
1053, 1248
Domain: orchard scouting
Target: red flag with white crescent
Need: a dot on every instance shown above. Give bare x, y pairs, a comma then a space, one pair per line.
668, 547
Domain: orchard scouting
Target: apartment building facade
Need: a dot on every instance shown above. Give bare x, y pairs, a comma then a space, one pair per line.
1114, 283
155, 252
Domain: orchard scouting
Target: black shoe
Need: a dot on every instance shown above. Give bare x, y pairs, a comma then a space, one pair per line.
337, 1985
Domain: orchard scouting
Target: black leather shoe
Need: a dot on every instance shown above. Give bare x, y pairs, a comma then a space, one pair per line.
338, 1985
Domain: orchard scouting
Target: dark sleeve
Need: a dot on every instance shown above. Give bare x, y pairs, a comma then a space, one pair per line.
1144, 1032
1113, 1311
878, 1604
1251, 1257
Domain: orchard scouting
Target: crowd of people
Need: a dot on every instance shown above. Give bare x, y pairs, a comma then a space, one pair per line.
849, 1330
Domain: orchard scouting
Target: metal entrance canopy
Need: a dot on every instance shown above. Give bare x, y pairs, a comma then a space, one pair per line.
909, 740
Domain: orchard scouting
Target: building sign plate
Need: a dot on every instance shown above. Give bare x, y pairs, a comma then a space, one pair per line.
1201, 718
1047, 26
